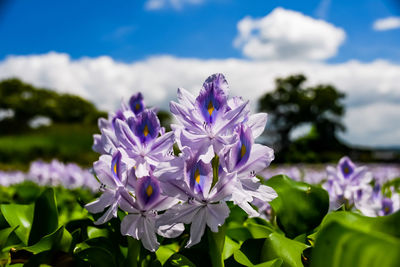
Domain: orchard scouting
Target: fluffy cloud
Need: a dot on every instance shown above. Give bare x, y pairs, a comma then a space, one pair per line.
287, 34
106, 82
385, 24
175, 4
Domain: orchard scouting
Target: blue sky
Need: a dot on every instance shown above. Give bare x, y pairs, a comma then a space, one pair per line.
127, 31
107, 52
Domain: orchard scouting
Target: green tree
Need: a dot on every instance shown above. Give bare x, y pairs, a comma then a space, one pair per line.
292, 104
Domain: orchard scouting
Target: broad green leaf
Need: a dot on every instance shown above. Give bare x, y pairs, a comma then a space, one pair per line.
229, 248
299, 207
385, 224
45, 220
164, 252
21, 216
58, 240
340, 245
279, 246
96, 256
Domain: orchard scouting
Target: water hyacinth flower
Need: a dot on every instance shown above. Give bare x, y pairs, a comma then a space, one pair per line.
144, 141
140, 223
207, 123
113, 174
374, 203
345, 182
107, 142
214, 127
218, 162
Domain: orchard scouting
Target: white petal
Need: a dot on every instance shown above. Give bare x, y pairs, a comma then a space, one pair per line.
197, 228
129, 225
216, 215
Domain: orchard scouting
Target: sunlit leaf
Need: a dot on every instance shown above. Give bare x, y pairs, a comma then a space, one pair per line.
299, 207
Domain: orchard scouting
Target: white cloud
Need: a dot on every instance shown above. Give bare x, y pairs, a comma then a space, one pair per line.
175, 4
287, 34
385, 24
373, 91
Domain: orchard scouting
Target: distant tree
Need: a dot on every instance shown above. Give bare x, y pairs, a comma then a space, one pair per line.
28, 102
292, 104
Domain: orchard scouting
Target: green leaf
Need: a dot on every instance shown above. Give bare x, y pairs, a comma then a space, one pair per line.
299, 207
272, 263
94, 232
4, 233
180, 260
216, 243
97, 256
59, 240
229, 248
340, 245
21, 216
45, 220
279, 246
241, 258
385, 224
258, 230
164, 252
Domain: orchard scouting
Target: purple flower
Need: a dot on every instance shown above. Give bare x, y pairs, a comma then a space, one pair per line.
112, 173
139, 138
202, 202
140, 223
374, 203
207, 122
345, 181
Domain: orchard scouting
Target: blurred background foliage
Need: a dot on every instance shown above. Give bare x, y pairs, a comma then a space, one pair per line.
40, 123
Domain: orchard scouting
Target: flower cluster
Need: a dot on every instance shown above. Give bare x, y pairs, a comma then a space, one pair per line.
55, 173
350, 186
218, 162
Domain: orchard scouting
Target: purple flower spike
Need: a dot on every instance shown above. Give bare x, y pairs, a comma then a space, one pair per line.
213, 98
207, 122
136, 103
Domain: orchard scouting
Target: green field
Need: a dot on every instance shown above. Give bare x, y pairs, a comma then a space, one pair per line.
66, 142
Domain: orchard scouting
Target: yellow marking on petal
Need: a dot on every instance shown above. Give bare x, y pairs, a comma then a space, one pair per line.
137, 107
145, 130
346, 170
197, 176
242, 151
386, 209
115, 169
149, 190
210, 108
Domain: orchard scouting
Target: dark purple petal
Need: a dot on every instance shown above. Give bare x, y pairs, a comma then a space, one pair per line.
346, 166
147, 191
136, 103
212, 98
146, 126
116, 169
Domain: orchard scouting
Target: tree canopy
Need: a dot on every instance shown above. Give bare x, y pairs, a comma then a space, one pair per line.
292, 104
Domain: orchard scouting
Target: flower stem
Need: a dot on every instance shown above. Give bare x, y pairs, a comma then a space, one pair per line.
216, 243
133, 252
